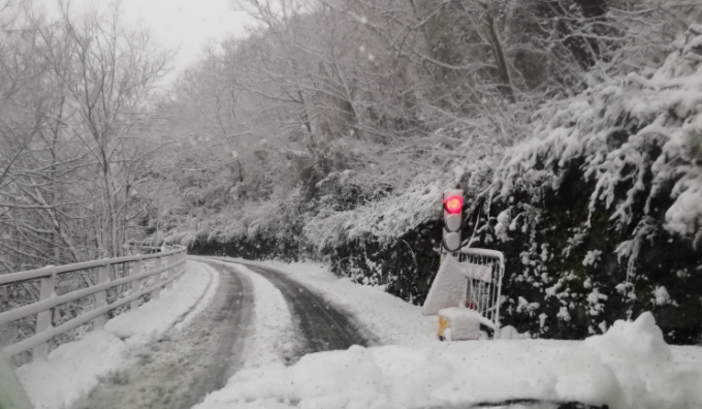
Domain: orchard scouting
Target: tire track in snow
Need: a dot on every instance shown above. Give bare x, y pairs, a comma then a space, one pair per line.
178, 370
323, 325
273, 339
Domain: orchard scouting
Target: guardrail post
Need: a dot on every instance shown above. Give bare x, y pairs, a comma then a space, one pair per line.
136, 269
48, 285
171, 271
101, 297
181, 268
176, 269
157, 279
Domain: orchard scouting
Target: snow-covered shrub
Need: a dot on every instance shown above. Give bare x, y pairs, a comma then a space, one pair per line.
404, 265
385, 219
612, 182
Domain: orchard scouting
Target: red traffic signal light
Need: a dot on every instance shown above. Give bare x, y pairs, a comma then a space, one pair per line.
453, 204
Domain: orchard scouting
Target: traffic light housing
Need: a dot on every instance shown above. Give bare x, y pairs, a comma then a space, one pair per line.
453, 218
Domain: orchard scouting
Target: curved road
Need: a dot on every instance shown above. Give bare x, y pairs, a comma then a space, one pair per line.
323, 325
180, 368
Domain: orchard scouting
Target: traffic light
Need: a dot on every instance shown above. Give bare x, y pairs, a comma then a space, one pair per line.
453, 217
453, 204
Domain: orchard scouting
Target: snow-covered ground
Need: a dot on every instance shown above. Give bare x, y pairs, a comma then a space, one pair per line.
392, 320
628, 367
73, 368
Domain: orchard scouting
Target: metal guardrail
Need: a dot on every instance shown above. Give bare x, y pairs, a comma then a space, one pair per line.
134, 271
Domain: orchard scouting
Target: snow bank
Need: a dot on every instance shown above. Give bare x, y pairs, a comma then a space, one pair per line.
73, 369
629, 367
206, 298
137, 327
390, 319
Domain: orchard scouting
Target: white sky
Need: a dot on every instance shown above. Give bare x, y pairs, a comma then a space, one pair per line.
186, 25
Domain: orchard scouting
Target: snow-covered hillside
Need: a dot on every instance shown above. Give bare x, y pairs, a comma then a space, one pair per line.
600, 212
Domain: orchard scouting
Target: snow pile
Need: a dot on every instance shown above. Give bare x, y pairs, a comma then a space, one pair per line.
630, 367
508, 332
137, 327
72, 369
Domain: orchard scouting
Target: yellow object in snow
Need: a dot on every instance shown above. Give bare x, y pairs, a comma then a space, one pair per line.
459, 324
444, 324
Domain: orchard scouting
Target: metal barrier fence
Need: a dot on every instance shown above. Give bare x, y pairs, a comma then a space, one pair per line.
485, 290
138, 271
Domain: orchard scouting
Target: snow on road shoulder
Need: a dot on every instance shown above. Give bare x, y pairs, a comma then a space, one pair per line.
629, 367
73, 368
157, 316
205, 299
389, 318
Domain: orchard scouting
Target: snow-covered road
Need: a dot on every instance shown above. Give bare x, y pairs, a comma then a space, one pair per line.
323, 325
257, 316
74, 368
178, 369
